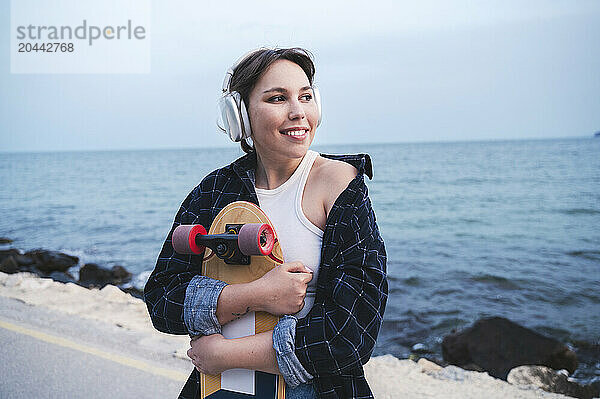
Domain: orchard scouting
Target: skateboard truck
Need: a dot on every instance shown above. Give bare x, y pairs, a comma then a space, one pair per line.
235, 246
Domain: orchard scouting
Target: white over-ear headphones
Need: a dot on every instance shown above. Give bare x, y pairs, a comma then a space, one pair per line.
233, 117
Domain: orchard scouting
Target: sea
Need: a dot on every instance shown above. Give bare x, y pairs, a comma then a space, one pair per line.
472, 229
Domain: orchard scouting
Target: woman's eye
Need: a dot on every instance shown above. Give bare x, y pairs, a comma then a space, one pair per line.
276, 98
307, 97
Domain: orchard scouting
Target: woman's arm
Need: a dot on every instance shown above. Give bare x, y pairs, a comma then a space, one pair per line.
214, 354
271, 352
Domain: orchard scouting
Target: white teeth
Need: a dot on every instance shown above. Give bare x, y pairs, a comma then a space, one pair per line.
295, 133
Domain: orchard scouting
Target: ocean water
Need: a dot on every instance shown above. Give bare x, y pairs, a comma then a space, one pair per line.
472, 229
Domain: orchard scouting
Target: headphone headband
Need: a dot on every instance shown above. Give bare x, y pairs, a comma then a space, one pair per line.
227, 80
229, 73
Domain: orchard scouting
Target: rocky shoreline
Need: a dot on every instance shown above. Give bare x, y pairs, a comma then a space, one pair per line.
492, 351
57, 265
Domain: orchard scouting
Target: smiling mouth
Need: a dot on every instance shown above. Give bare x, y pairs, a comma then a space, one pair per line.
294, 132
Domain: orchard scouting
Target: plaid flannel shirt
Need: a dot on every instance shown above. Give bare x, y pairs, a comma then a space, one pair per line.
337, 337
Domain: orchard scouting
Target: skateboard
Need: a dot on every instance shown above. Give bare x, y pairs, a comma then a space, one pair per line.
240, 246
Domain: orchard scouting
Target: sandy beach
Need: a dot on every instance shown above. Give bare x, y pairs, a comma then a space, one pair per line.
388, 376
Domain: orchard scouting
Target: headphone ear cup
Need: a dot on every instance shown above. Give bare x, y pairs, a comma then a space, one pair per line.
317, 97
246, 129
231, 122
222, 122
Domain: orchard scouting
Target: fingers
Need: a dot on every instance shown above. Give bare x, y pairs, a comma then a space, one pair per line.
195, 360
304, 273
306, 277
300, 271
296, 267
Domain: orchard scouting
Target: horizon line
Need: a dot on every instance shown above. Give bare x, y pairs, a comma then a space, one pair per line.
450, 141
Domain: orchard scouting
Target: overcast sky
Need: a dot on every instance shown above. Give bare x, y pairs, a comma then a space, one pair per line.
389, 71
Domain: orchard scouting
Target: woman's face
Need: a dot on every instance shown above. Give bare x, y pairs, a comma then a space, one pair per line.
283, 113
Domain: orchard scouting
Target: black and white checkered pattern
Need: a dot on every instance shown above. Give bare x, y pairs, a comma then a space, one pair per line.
338, 335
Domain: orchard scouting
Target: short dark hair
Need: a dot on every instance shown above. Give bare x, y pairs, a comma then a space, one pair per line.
247, 72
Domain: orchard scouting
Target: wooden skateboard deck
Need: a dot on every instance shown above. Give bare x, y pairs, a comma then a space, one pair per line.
240, 383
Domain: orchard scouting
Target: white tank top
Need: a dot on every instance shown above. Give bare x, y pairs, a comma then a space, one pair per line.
299, 238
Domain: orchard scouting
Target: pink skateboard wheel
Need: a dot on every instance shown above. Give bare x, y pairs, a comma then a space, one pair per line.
256, 239
184, 239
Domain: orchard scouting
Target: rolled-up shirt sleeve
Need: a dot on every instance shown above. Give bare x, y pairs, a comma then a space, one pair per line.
200, 305
284, 335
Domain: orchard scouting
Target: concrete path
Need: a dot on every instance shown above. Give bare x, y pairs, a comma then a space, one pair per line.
46, 354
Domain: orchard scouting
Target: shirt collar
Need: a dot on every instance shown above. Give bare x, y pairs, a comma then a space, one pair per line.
362, 162
244, 167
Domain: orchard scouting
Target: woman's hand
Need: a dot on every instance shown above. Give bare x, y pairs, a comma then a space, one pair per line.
208, 354
282, 290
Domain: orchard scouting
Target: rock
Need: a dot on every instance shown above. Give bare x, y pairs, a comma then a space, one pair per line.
61, 277
134, 292
428, 366
550, 380
9, 265
50, 261
5, 253
114, 294
451, 373
24, 260
4, 240
420, 348
472, 367
498, 345
33, 270
120, 274
92, 275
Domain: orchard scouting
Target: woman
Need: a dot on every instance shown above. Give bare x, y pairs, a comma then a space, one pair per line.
333, 278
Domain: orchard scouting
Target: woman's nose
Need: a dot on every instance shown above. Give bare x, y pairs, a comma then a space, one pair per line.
296, 110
